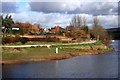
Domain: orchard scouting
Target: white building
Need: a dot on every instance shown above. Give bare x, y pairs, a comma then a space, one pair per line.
15, 28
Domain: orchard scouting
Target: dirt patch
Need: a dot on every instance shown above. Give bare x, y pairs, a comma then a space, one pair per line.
12, 50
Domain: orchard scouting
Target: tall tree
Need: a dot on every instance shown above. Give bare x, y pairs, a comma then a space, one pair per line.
85, 27
1, 21
75, 28
96, 27
79, 21
96, 22
7, 23
99, 32
84, 21
76, 22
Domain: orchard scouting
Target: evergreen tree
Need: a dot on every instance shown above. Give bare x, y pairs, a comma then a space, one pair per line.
7, 23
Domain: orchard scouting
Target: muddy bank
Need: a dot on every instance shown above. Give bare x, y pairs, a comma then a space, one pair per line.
54, 57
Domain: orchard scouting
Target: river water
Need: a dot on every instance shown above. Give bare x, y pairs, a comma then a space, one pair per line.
87, 66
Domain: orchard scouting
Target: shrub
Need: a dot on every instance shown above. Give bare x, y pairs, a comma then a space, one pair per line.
10, 40
106, 42
52, 39
37, 39
24, 40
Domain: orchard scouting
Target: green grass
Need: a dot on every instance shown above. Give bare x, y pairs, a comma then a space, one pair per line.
89, 44
25, 53
9, 56
30, 52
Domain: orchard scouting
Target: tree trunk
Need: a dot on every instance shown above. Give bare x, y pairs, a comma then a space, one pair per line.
5, 32
97, 37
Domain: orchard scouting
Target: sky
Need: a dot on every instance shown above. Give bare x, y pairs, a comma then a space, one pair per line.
54, 12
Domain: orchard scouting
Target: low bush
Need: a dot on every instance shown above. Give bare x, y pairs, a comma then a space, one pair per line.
23, 40
106, 42
51, 39
37, 39
10, 40
47, 39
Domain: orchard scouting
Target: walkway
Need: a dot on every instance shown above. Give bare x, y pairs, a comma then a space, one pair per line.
48, 45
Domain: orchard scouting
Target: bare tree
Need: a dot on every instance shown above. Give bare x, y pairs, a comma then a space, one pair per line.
84, 21
76, 22
99, 32
73, 24
96, 27
79, 21
75, 30
96, 22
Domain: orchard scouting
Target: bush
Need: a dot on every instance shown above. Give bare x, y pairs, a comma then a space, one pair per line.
10, 40
24, 40
52, 39
37, 39
47, 39
106, 42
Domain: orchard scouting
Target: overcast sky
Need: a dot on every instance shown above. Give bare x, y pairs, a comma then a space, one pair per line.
53, 13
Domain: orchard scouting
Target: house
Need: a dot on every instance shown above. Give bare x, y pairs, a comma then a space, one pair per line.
28, 28
56, 29
36, 28
46, 30
25, 27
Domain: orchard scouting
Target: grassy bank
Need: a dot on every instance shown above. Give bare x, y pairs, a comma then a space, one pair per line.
44, 53
20, 53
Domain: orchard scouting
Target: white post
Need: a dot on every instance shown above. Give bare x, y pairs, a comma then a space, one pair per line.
48, 46
56, 50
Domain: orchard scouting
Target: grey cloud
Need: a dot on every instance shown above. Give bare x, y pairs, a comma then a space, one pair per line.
98, 8
119, 8
48, 7
9, 7
109, 21
95, 8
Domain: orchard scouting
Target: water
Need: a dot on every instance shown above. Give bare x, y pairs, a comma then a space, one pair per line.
87, 66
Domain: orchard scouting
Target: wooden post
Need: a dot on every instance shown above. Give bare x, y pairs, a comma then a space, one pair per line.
56, 50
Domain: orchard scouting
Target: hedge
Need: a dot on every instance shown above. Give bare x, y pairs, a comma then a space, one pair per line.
23, 40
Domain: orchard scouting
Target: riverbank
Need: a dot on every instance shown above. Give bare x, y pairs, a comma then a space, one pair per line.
43, 53
67, 55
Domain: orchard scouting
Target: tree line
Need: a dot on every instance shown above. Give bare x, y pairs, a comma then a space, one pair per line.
78, 29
